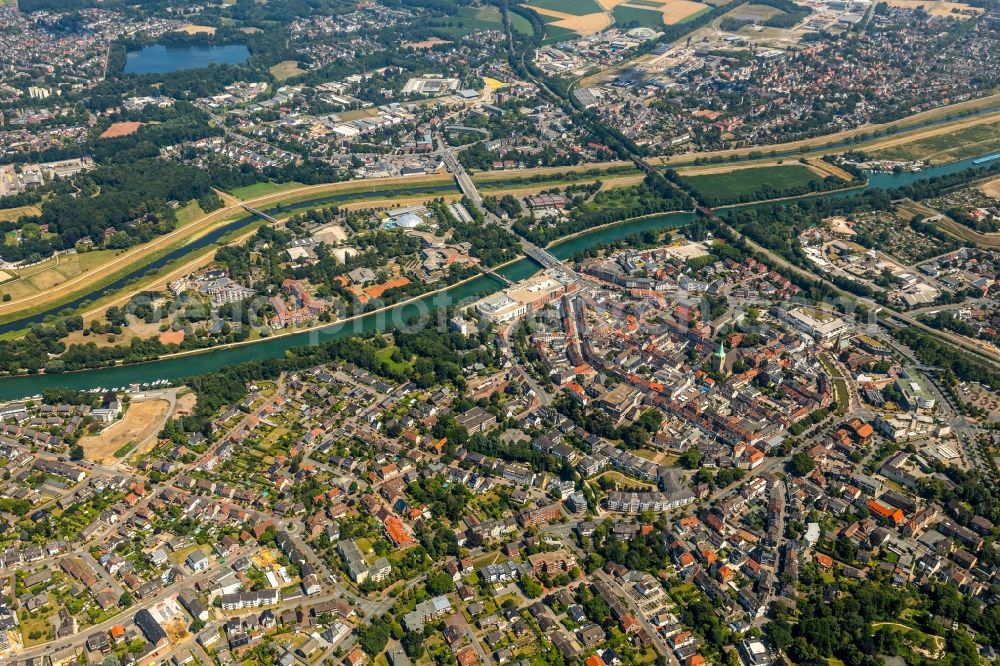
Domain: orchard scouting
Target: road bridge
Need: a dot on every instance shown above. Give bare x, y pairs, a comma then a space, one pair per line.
546, 259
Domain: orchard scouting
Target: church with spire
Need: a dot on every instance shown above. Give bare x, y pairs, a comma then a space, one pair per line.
722, 361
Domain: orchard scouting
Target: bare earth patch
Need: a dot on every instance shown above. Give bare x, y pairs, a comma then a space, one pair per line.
121, 129
426, 44
193, 29
185, 403
991, 188
140, 424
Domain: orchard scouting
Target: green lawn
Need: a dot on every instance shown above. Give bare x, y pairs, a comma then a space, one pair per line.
262, 189
768, 182
385, 355
286, 69
574, 7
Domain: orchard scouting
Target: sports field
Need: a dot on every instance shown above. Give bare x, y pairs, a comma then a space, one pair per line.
757, 182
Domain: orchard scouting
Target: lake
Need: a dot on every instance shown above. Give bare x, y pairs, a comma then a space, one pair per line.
160, 59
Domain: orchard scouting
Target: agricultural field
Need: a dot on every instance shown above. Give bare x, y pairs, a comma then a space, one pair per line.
652, 14
939, 7
736, 185
581, 25
753, 12
485, 17
574, 7
968, 141
566, 17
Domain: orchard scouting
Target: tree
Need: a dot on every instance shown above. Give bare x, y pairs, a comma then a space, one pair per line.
440, 583
801, 464
76, 452
532, 588
125, 600
413, 645
691, 458
373, 638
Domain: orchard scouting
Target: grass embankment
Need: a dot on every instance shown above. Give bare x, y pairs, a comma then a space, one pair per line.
189, 231
957, 142
868, 138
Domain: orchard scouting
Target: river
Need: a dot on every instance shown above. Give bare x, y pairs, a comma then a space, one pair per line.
174, 368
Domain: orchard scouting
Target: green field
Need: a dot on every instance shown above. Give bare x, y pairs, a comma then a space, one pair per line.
768, 182
574, 7
262, 189
521, 24
498, 180
486, 17
555, 33
631, 17
286, 69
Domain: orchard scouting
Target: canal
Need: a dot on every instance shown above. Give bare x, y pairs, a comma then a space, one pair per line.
177, 367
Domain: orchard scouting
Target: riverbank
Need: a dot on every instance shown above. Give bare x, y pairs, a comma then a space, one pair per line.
175, 368
865, 137
138, 268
